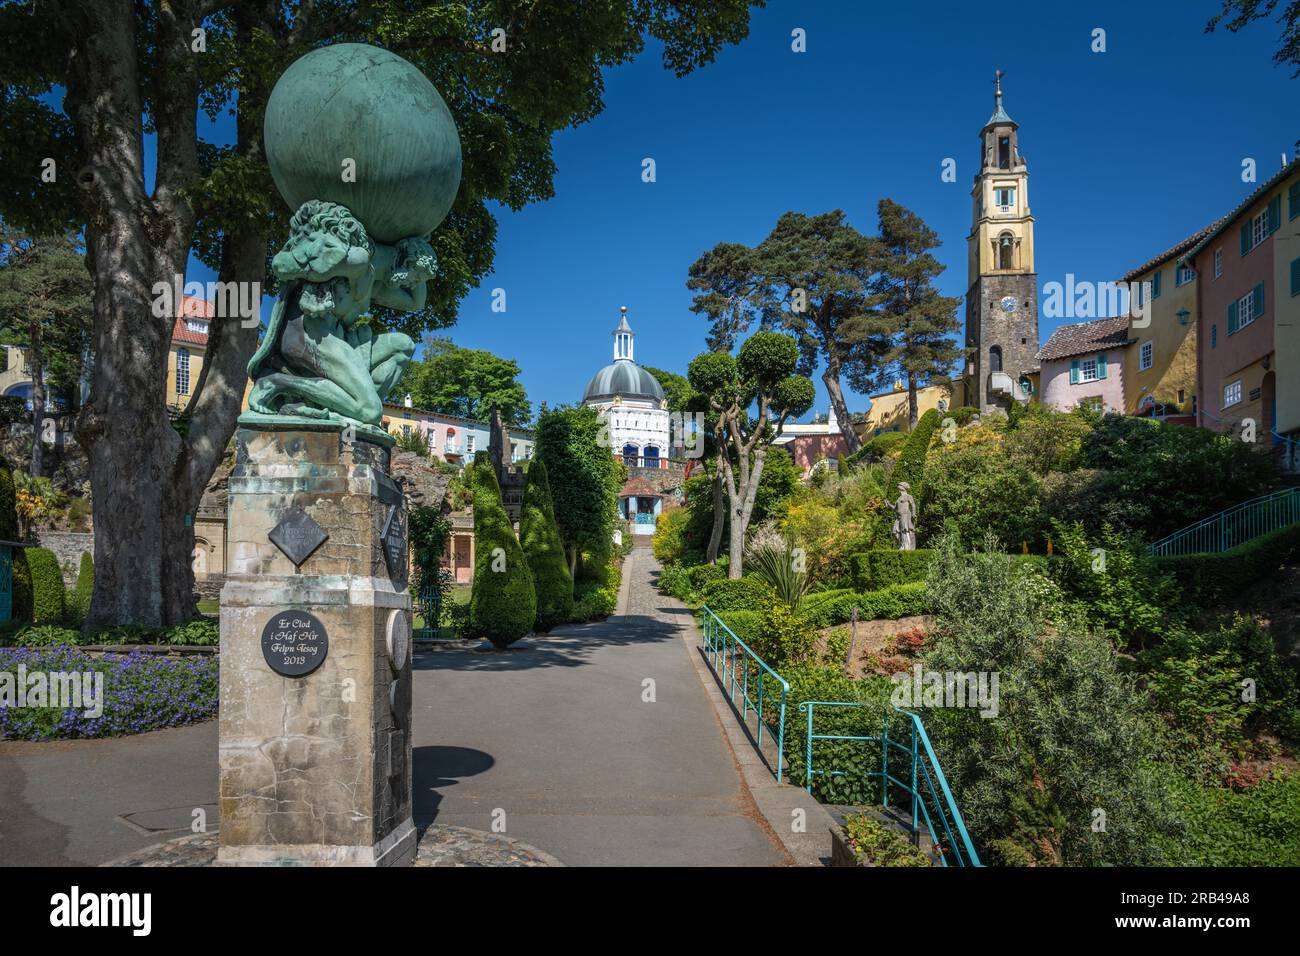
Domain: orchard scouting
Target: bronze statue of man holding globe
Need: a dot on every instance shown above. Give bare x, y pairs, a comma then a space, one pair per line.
361, 145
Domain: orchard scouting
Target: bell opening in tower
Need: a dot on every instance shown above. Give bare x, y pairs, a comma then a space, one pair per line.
1004, 152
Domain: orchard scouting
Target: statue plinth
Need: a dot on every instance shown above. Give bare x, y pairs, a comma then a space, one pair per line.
315, 744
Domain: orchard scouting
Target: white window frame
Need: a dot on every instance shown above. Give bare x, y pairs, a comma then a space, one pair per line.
1218, 262
469, 443
1183, 275
1146, 356
1229, 390
197, 325
1258, 228
1085, 365
1246, 310
1005, 207
182, 371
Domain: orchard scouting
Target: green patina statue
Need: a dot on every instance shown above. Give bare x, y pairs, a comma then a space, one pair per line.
371, 173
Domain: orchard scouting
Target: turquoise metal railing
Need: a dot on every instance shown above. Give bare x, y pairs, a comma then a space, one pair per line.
1237, 525
721, 646
921, 767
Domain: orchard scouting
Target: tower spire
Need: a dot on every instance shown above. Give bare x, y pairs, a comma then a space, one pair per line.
623, 336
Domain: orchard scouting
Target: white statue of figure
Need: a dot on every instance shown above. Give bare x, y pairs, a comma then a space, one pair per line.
905, 523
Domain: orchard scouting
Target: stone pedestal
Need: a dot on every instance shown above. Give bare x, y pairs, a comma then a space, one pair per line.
315, 748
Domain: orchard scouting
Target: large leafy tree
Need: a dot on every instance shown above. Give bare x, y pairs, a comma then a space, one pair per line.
83, 84
1238, 14
466, 382
45, 294
585, 479
911, 319
811, 276
762, 374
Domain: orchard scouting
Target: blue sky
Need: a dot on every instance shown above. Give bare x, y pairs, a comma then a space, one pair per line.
1129, 151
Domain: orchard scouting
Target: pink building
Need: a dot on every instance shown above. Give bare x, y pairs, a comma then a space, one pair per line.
1084, 364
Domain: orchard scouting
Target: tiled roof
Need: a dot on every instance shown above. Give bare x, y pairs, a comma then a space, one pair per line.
638, 487
1271, 183
1084, 337
1168, 254
195, 309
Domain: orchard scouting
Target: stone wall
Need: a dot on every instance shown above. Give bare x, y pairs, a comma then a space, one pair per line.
68, 547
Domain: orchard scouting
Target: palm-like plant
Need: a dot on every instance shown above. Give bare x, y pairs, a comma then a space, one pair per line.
780, 562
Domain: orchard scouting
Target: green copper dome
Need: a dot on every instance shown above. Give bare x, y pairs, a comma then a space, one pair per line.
626, 379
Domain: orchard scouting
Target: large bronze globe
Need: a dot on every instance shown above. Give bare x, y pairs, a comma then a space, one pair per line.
357, 102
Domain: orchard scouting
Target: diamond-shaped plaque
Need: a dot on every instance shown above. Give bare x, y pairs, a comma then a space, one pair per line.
297, 535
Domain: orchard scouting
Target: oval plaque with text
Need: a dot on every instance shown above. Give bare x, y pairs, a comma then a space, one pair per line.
294, 643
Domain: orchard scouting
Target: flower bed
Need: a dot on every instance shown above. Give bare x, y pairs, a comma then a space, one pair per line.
141, 692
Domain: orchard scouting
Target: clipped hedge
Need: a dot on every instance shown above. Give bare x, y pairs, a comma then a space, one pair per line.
885, 567
747, 593
48, 595
745, 624
911, 463
22, 595
79, 597
891, 603
546, 559
1210, 580
703, 575
503, 604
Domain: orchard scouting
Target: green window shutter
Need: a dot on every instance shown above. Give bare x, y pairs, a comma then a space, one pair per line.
1155, 285
1232, 316
1293, 201
1295, 277
1074, 372
1245, 238
1257, 295
1274, 214
1101, 365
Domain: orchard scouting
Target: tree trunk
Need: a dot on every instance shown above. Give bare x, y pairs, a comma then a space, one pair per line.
831, 378
715, 534
912, 414
134, 242
36, 361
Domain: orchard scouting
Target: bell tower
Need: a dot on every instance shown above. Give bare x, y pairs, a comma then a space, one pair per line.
1002, 300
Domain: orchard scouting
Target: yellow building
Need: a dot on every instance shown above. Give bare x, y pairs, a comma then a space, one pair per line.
188, 348
1286, 329
889, 412
1160, 366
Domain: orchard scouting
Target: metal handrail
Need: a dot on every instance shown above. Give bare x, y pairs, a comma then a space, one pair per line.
721, 643
1233, 526
921, 764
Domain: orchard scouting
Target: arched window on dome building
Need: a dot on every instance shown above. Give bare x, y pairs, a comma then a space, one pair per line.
630, 453
651, 455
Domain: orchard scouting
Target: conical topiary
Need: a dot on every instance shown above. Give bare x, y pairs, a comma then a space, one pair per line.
503, 604
540, 538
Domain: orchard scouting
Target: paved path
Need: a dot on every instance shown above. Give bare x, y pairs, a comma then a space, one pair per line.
554, 734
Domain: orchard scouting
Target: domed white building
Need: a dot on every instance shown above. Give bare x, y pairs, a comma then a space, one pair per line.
632, 402
635, 410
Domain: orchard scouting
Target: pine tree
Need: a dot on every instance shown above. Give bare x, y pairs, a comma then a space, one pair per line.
917, 321
540, 538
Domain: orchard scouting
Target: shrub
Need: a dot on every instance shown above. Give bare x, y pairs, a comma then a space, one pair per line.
963, 415
593, 600
503, 604
882, 568
47, 586
142, 692
878, 845
1259, 826
22, 584
676, 581
779, 562
1048, 441
976, 488
748, 592
46, 635
669, 542
900, 600
704, 574
746, 625
8, 506
911, 463
199, 632
541, 543
878, 448
1071, 733
1171, 475
1212, 580
783, 637
79, 598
